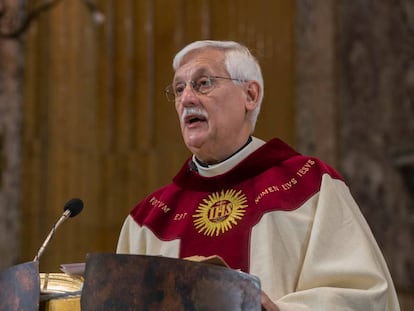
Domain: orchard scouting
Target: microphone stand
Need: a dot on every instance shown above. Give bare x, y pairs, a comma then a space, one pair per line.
64, 216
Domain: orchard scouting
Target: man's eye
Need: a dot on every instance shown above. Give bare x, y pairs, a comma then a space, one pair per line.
204, 81
179, 88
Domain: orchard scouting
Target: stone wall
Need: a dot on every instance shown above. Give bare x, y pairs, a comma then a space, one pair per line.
376, 103
10, 129
355, 102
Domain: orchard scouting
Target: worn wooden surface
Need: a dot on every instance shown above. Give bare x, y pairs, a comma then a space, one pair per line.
165, 284
19, 287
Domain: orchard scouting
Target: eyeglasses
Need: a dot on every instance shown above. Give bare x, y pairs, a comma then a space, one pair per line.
201, 85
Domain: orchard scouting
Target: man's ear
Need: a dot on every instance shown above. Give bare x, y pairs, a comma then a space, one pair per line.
253, 92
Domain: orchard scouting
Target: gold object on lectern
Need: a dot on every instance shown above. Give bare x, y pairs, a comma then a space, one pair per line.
60, 292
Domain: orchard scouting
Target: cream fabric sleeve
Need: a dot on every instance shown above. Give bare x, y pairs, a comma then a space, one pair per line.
340, 266
134, 239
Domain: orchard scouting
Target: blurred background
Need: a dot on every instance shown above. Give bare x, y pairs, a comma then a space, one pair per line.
83, 112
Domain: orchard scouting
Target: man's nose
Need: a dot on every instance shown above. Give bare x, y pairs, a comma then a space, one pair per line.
189, 95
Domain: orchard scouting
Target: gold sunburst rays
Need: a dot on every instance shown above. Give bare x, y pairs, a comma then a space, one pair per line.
220, 212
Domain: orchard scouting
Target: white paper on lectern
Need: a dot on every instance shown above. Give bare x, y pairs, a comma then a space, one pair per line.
73, 268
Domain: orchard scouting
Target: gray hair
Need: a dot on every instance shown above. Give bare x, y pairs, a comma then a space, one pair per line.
239, 62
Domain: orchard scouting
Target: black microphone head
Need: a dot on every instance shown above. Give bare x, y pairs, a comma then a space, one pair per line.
75, 206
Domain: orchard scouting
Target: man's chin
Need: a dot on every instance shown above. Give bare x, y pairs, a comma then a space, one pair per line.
194, 142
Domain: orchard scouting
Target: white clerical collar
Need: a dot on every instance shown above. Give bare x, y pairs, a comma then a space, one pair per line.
228, 164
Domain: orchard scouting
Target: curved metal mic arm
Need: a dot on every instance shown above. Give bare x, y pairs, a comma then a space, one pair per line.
64, 216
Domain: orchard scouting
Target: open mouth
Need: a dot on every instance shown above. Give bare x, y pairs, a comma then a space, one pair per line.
193, 116
194, 119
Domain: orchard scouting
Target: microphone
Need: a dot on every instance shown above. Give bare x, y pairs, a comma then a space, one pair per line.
72, 208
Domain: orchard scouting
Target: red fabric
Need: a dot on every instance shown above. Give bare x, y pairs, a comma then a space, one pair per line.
215, 215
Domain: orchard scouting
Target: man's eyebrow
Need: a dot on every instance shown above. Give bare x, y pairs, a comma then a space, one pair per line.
197, 73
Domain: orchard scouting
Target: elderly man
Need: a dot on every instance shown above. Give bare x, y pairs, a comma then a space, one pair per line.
264, 208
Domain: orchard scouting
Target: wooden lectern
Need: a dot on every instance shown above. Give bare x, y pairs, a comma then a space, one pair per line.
150, 283
20, 287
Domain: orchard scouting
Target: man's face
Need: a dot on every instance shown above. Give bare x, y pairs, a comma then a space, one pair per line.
217, 123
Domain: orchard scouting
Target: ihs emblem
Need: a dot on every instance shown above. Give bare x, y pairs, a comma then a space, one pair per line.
220, 212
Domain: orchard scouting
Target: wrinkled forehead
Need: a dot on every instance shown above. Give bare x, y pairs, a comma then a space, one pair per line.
201, 61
